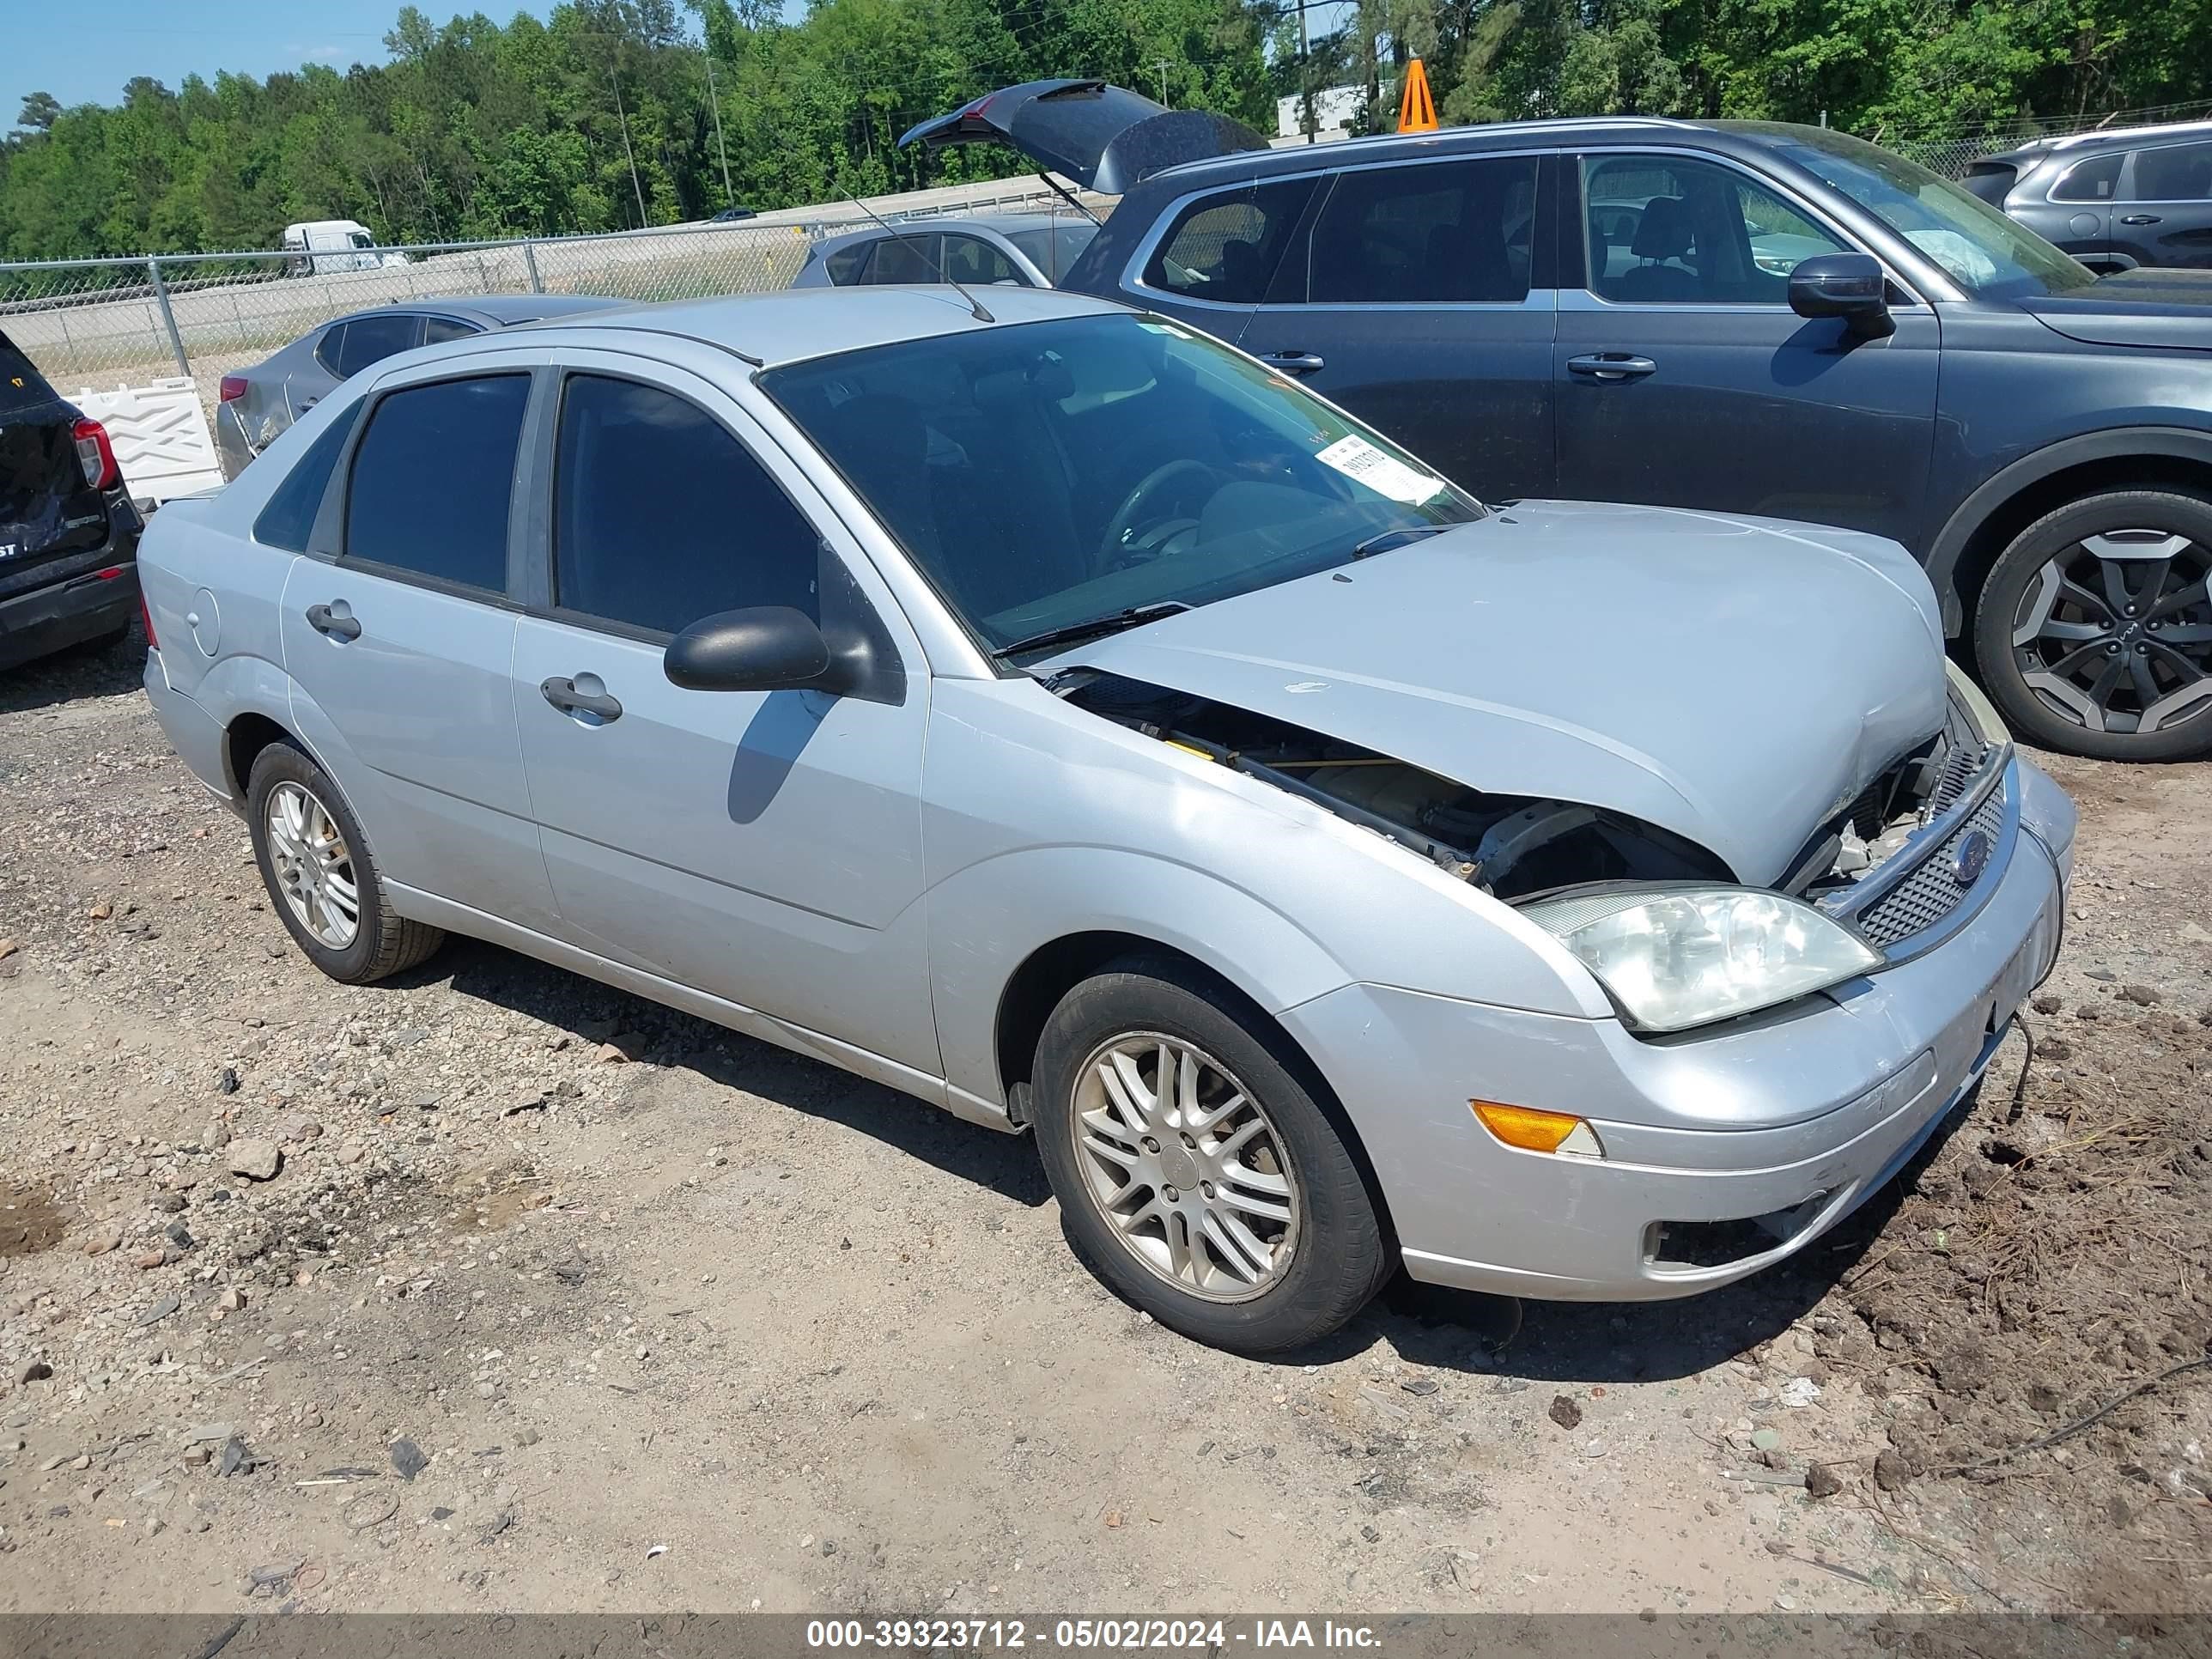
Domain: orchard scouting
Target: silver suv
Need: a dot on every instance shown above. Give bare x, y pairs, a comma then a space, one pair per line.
2117, 200
1053, 714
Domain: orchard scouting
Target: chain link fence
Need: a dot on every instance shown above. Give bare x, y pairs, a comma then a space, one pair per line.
1951, 154
97, 324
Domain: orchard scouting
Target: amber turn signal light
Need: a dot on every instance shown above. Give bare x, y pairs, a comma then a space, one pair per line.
1535, 1130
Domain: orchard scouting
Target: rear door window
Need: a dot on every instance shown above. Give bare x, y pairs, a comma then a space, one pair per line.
910, 257
1438, 234
972, 260
372, 339
2173, 173
432, 478
328, 348
661, 516
1225, 247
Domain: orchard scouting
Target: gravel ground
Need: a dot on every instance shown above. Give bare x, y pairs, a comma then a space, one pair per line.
491, 1288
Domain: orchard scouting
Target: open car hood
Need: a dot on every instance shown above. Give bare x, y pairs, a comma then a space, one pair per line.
1737, 681
2171, 309
1104, 137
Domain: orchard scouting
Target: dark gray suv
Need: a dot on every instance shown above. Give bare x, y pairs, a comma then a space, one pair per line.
1757, 318
2114, 200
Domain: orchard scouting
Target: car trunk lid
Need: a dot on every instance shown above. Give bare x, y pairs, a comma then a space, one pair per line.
47, 511
1104, 138
2157, 308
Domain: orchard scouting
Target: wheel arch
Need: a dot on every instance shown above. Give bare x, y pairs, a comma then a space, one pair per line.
1985, 523
1049, 973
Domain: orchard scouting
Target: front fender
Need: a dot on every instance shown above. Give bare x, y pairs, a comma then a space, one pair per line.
991, 917
2170, 443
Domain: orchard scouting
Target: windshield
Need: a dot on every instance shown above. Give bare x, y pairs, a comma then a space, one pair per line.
1048, 474
1988, 255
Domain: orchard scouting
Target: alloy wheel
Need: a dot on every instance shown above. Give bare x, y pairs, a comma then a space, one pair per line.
1186, 1167
2115, 631
313, 867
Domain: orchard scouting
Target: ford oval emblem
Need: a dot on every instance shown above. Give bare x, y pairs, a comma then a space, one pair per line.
1971, 860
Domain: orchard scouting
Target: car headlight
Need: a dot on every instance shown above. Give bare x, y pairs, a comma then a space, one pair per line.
1677, 956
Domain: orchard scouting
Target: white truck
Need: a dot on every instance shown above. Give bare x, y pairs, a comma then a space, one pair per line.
320, 247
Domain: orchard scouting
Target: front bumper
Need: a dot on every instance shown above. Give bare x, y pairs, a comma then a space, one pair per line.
1788, 1120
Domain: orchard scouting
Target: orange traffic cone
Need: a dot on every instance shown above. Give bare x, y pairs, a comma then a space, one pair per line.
1417, 106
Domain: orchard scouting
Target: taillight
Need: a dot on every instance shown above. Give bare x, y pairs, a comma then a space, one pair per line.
146, 617
95, 457
234, 385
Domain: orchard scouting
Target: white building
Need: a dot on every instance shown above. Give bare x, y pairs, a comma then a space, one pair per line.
1334, 108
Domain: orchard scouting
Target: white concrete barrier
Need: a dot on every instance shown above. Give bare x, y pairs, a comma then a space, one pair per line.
159, 435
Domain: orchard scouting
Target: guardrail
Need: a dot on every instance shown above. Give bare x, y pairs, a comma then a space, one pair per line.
96, 324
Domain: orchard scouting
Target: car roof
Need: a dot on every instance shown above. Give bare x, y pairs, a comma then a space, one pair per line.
1004, 223
2102, 139
793, 325
1492, 136
495, 310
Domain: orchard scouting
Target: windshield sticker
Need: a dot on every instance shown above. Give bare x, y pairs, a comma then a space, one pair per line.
1386, 475
1957, 255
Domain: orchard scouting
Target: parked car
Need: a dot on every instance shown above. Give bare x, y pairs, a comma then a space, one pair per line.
323, 248
1748, 317
1031, 250
1054, 714
255, 404
2115, 200
69, 533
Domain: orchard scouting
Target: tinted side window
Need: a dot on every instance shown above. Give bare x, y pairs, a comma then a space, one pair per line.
844, 267
288, 515
1225, 247
327, 348
661, 517
372, 339
432, 477
972, 260
909, 258
2093, 180
1663, 230
2176, 173
436, 330
1444, 232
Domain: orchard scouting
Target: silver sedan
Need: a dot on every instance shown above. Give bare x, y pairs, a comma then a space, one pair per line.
1051, 713
255, 404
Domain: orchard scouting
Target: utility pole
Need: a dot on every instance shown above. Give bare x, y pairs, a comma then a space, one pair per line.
729, 197
1305, 78
1162, 65
614, 80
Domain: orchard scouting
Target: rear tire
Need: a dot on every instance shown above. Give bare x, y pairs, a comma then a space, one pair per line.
322, 879
2094, 631
1248, 1225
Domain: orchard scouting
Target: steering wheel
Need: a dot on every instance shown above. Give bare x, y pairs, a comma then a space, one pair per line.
1133, 510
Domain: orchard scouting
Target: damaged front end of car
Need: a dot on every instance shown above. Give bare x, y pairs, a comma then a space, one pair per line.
1669, 930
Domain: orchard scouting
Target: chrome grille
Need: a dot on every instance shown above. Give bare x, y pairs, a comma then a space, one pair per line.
1931, 892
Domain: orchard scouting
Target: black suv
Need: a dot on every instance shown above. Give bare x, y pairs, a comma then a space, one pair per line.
2140, 195
68, 535
1751, 317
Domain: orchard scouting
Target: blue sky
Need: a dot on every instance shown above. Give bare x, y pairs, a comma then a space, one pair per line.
83, 50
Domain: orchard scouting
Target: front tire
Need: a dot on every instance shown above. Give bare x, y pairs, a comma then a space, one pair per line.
2093, 632
320, 876
1197, 1168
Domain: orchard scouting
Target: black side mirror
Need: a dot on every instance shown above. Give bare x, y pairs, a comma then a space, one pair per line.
766, 647
1851, 286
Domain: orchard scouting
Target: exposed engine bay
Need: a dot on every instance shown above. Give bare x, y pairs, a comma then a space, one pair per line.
1507, 845
1514, 846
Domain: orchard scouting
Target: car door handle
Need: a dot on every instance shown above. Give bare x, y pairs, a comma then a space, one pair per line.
563, 696
1295, 362
1612, 366
333, 624
2139, 219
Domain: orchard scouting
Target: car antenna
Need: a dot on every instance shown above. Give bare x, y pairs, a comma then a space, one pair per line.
1067, 196
975, 305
